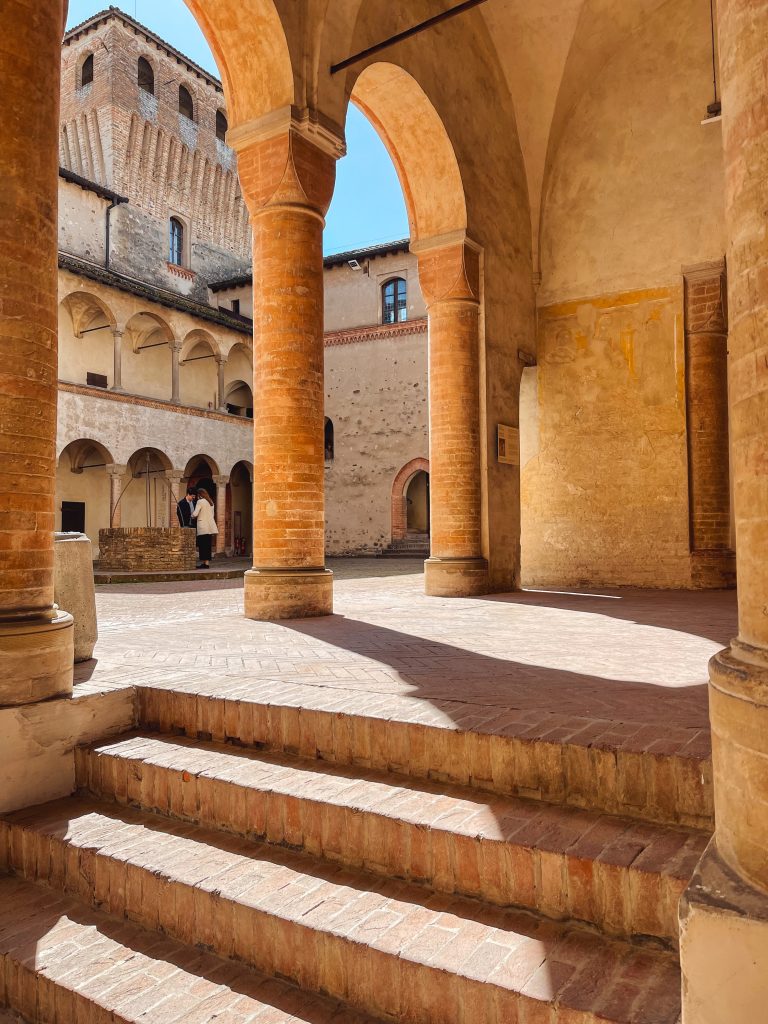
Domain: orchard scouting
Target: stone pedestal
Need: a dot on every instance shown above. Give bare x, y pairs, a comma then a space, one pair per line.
147, 549
723, 946
74, 590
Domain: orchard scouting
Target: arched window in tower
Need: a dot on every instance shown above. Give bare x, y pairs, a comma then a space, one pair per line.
186, 106
176, 238
329, 451
146, 76
394, 309
221, 125
86, 71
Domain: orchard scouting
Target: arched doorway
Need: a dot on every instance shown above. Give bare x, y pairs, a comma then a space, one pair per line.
200, 472
240, 503
83, 489
417, 505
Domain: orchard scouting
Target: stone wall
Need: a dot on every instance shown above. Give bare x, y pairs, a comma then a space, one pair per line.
146, 549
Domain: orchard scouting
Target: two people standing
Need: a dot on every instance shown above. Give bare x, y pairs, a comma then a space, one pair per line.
195, 511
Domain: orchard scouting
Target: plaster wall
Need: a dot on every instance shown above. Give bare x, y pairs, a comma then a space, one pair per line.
124, 425
376, 396
81, 222
91, 486
353, 297
605, 487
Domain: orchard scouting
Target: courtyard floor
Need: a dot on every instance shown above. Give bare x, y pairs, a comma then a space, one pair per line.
624, 663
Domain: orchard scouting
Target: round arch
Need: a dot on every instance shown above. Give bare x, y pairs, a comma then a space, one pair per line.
87, 311
195, 338
399, 491
195, 467
146, 329
421, 150
252, 56
85, 453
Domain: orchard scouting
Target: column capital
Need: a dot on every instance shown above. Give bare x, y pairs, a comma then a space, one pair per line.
221, 479
449, 268
287, 160
113, 469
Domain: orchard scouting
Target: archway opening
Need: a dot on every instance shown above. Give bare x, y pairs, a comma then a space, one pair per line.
86, 341
83, 489
198, 374
146, 496
417, 504
239, 399
199, 472
147, 360
239, 524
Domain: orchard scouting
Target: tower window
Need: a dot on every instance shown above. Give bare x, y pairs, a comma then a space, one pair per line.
176, 251
86, 72
394, 309
186, 106
146, 76
221, 126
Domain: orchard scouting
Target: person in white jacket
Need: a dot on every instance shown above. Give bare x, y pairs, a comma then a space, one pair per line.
206, 527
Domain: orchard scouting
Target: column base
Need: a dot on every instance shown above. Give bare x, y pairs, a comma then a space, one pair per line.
36, 660
456, 577
288, 593
723, 946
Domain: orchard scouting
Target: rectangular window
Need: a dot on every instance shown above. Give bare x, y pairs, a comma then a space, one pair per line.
73, 517
236, 306
96, 380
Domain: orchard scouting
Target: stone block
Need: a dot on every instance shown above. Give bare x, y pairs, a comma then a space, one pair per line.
74, 589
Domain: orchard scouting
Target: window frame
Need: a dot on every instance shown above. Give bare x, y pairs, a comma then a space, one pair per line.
399, 284
177, 246
221, 115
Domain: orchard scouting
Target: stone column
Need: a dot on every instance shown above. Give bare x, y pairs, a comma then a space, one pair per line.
116, 475
221, 514
220, 364
117, 340
175, 353
706, 386
287, 172
175, 494
36, 638
450, 282
724, 913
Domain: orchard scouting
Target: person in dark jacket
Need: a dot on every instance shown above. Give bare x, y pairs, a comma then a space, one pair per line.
186, 507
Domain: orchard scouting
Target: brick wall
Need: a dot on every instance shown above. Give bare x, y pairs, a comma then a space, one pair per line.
146, 549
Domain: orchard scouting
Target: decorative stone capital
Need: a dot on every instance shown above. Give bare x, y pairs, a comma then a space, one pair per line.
287, 161
221, 480
113, 469
449, 269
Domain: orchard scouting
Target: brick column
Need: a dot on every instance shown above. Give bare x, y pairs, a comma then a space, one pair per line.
221, 514
450, 282
724, 913
116, 476
36, 638
706, 379
117, 341
287, 172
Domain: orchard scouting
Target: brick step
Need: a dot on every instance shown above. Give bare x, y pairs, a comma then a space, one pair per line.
392, 949
64, 963
581, 763
623, 876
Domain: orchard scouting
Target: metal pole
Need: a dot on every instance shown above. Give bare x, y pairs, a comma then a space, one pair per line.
444, 16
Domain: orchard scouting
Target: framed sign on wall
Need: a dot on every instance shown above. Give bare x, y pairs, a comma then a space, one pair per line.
508, 445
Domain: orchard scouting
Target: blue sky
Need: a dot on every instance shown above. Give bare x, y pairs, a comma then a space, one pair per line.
368, 203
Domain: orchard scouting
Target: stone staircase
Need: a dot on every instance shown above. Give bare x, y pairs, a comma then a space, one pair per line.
244, 859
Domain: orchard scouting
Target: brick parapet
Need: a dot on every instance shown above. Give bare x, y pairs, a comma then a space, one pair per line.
146, 549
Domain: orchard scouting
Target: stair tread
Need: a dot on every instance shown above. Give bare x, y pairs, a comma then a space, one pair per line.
140, 975
572, 831
491, 719
513, 950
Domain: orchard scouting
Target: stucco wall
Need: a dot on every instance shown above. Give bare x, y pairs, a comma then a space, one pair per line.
353, 297
634, 192
376, 395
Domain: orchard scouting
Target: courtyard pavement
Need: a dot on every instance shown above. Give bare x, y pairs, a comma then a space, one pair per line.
632, 661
